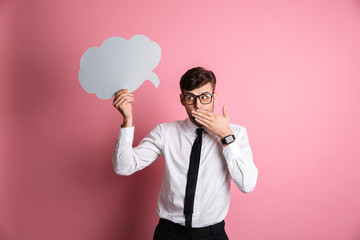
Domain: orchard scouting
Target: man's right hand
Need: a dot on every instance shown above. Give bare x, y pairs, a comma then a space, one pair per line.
122, 102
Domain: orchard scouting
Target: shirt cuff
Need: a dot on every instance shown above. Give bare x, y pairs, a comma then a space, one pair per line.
126, 135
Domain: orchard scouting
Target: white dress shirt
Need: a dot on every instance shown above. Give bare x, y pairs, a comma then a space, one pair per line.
218, 165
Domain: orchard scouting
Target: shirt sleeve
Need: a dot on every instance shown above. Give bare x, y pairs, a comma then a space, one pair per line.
127, 160
239, 160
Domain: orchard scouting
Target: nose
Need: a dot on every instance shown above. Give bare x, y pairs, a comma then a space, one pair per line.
198, 104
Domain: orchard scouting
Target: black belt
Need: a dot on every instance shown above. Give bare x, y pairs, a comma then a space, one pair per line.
202, 231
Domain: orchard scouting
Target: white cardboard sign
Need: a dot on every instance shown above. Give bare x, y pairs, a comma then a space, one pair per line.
119, 64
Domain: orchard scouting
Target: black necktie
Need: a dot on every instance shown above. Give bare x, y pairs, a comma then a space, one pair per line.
192, 178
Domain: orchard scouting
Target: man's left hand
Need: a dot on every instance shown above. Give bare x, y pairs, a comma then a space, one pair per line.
219, 125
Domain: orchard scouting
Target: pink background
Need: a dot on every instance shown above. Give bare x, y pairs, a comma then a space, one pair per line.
287, 70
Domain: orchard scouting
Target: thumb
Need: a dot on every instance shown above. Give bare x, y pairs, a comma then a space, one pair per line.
224, 111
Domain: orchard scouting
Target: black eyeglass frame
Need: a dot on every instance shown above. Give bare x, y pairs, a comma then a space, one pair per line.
198, 96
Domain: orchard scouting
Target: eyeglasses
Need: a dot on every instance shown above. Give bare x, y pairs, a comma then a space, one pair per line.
205, 98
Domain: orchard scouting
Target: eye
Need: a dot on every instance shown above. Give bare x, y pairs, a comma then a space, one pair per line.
190, 97
204, 97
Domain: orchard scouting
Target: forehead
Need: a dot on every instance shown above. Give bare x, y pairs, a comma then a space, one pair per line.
207, 88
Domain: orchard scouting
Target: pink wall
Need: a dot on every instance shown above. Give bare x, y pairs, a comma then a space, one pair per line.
287, 70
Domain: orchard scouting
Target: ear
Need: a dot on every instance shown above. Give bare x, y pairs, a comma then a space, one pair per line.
215, 97
182, 100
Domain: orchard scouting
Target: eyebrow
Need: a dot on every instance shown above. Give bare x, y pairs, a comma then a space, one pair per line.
197, 95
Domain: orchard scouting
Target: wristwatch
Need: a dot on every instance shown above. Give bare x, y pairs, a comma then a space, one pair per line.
228, 139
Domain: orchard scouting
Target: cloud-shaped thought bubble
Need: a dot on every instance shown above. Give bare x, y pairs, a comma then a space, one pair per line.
119, 64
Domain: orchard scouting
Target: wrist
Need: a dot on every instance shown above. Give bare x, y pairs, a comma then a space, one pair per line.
225, 134
127, 122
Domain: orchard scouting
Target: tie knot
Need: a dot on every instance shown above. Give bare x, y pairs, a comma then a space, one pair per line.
199, 131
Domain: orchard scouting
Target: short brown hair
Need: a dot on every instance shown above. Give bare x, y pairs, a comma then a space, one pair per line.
197, 77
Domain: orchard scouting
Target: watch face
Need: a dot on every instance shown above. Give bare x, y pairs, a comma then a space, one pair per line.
229, 138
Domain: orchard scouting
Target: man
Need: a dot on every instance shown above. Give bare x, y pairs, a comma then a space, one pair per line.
202, 154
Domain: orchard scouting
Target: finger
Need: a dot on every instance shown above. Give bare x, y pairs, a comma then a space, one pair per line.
225, 114
124, 94
202, 115
207, 113
201, 121
124, 100
120, 92
206, 121
121, 106
119, 97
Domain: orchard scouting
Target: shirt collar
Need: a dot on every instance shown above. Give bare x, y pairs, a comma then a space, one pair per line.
191, 127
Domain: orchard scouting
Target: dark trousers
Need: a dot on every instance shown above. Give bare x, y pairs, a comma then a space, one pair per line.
167, 230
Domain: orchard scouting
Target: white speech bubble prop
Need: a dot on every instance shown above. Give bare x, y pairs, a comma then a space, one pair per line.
119, 64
